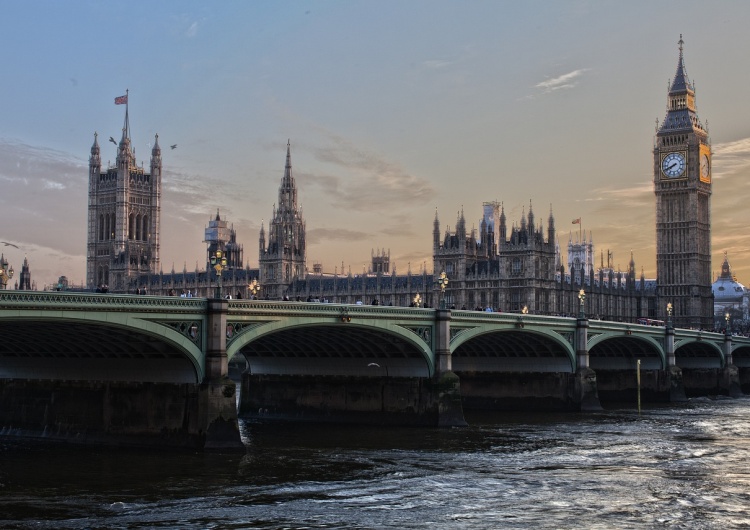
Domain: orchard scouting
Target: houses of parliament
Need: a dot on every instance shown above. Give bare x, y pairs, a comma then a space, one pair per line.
514, 266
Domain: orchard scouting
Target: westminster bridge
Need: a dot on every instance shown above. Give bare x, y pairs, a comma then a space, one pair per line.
98, 368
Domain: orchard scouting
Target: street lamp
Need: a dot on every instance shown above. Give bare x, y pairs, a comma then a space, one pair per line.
726, 319
443, 282
417, 300
253, 288
5, 273
219, 263
582, 298
669, 314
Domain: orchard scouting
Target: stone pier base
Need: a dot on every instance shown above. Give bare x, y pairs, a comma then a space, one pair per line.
542, 391
657, 386
187, 416
712, 381
729, 381
586, 390
676, 385
349, 399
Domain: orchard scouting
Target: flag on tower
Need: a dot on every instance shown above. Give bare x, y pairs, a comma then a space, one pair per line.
577, 221
121, 100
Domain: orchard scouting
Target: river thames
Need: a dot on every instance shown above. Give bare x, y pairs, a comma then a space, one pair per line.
681, 466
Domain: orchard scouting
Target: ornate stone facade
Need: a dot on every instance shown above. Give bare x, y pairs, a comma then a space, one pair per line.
682, 184
283, 259
123, 216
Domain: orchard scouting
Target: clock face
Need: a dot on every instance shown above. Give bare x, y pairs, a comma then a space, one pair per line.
673, 165
705, 167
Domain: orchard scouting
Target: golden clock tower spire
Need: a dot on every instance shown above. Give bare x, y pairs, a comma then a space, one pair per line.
682, 184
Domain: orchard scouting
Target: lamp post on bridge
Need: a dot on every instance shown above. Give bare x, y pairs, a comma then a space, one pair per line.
5, 273
443, 282
669, 315
582, 298
417, 300
253, 288
726, 326
219, 263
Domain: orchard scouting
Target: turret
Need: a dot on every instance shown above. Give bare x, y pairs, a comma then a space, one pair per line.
551, 226
531, 217
435, 233
503, 227
262, 240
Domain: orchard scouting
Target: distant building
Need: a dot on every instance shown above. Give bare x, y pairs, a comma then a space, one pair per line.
24, 281
220, 236
730, 298
123, 216
202, 282
282, 258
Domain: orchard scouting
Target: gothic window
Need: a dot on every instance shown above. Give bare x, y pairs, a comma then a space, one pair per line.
516, 266
112, 226
101, 228
131, 226
145, 231
138, 228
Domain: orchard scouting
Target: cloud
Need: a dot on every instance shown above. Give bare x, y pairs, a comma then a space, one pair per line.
319, 235
371, 182
731, 158
435, 64
52, 185
561, 82
192, 30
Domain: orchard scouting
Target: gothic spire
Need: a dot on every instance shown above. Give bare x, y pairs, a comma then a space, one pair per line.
681, 109
95, 148
681, 83
288, 190
156, 150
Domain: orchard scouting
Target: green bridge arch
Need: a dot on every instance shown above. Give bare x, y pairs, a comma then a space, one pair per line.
340, 342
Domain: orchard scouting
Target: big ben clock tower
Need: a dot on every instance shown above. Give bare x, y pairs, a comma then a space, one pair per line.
682, 184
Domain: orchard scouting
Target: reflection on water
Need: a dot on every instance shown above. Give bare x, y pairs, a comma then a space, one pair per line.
675, 467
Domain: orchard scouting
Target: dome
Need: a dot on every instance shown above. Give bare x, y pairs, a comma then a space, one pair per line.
726, 288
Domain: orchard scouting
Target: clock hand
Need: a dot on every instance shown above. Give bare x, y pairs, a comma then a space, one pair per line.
673, 165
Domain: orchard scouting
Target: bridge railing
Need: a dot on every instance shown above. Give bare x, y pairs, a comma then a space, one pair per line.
318, 309
110, 302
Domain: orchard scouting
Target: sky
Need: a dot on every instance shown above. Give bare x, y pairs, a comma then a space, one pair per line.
394, 111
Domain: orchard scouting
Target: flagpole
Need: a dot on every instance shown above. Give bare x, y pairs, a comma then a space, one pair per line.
127, 119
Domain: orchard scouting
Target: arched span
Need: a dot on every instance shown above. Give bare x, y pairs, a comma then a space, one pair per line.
334, 349
622, 352
96, 349
693, 353
741, 356
480, 350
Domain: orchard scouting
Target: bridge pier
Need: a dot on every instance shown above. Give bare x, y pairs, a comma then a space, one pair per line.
217, 404
673, 372
729, 379
586, 392
447, 384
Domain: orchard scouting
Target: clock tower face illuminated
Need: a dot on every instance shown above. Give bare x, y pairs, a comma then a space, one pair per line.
682, 185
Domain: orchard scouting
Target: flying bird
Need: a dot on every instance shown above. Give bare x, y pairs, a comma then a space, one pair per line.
173, 146
8, 244
112, 140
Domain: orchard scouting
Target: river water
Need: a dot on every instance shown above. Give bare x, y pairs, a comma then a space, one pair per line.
682, 466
